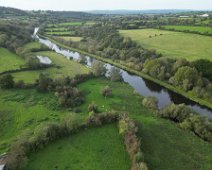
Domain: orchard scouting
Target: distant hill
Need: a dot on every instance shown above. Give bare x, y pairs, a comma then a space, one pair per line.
7, 11
127, 12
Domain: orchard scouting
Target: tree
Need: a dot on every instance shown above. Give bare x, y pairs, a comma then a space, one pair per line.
150, 102
186, 77
93, 108
115, 74
33, 63
6, 81
205, 67
43, 82
106, 91
82, 59
98, 68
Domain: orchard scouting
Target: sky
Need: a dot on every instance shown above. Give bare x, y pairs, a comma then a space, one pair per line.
85, 5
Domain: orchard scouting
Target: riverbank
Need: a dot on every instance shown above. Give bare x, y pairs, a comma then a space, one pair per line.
145, 76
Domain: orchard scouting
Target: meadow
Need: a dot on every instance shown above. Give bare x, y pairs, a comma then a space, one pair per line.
69, 24
173, 44
162, 141
199, 29
62, 67
68, 38
23, 110
60, 33
9, 60
89, 149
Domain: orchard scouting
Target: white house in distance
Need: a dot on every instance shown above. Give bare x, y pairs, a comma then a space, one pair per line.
204, 15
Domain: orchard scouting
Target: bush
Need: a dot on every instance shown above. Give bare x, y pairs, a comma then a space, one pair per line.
93, 108
43, 82
7, 82
106, 91
20, 84
115, 74
177, 113
150, 102
98, 68
139, 157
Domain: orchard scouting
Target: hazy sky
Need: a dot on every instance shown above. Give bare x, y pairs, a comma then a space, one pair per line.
79, 5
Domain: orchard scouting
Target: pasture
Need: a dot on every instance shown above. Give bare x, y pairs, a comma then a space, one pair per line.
61, 33
9, 60
23, 110
68, 38
199, 29
162, 141
70, 24
173, 44
63, 67
96, 148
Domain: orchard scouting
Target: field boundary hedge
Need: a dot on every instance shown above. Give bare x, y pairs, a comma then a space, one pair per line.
29, 143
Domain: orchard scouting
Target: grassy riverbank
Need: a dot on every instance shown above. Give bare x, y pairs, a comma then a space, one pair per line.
118, 64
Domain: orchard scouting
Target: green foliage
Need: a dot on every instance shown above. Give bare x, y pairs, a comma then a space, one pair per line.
188, 120
33, 63
43, 83
177, 113
6, 81
187, 78
150, 102
106, 91
93, 108
115, 74
17, 34
139, 157
98, 68
204, 67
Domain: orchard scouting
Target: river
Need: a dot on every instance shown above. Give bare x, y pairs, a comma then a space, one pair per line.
142, 86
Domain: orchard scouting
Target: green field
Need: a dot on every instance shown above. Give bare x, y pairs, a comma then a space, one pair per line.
66, 24
66, 68
60, 33
199, 29
25, 109
9, 60
173, 44
165, 145
55, 29
68, 38
93, 149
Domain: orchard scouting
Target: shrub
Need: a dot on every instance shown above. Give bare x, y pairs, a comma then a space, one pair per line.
106, 91
93, 108
6, 81
139, 157
98, 68
177, 113
150, 102
20, 84
115, 74
43, 82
